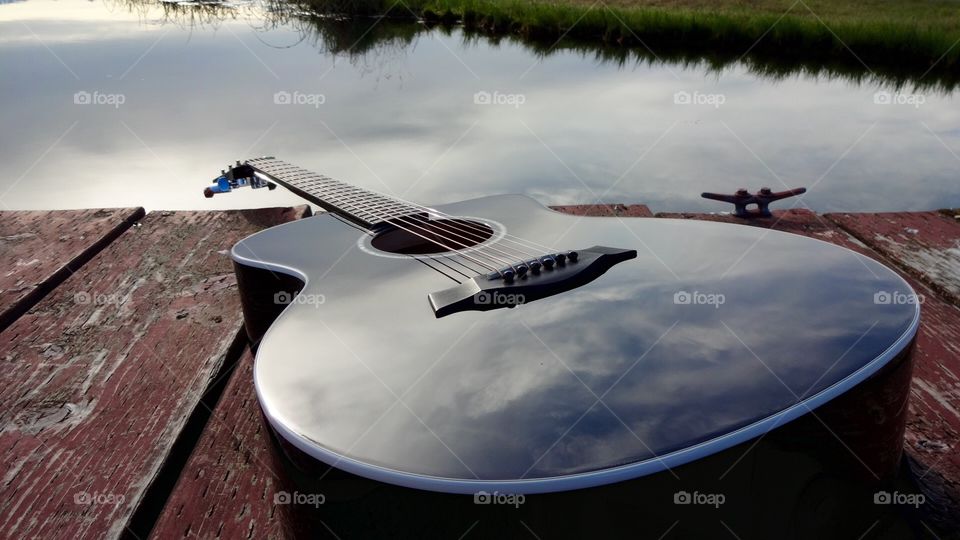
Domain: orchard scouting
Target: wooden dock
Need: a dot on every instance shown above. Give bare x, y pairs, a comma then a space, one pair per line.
128, 404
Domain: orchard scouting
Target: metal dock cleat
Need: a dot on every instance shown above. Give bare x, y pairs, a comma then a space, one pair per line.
743, 198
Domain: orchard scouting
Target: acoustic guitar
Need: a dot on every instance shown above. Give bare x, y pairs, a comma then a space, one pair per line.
495, 345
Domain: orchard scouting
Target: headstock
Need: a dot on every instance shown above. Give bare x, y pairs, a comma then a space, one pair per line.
237, 176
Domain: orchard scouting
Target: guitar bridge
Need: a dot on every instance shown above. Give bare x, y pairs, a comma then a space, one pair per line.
493, 291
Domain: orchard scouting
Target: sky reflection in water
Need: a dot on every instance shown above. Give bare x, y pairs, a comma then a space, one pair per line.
403, 120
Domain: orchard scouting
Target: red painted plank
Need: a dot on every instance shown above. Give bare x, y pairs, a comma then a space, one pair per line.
228, 486
926, 244
608, 210
797, 221
101, 375
40, 249
926, 247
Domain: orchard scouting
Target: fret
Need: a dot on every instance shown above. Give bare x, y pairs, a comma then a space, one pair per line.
336, 192
385, 207
362, 206
352, 203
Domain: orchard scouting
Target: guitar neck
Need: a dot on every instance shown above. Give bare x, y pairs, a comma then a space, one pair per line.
363, 207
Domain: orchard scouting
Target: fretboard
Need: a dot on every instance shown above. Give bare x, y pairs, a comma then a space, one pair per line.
364, 207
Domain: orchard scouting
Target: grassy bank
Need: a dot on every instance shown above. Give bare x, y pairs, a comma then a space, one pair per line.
878, 35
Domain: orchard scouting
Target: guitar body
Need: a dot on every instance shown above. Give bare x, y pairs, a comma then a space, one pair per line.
577, 376
713, 336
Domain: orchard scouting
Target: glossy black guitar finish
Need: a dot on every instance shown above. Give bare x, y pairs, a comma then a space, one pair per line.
711, 336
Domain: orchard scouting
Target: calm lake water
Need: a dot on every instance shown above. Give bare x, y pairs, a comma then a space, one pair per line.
123, 103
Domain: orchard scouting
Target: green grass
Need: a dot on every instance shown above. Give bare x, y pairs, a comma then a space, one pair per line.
913, 37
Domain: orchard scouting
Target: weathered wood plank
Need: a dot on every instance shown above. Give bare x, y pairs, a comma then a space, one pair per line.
925, 247
926, 244
228, 486
40, 249
607, 210
101, 375
797, 221
933, 427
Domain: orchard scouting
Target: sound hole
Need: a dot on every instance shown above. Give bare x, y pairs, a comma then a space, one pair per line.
415, 236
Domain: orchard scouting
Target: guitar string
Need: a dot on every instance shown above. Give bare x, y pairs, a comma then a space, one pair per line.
507, 237
509, 262
359, 210
405, 219
423, 260
432, 235
434, 241
451, 258
469, 236
469, 228
522, 241
429, 232
537, 247
476, 238
473, 233
378, 215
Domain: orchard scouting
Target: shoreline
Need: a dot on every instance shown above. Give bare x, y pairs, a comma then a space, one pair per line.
922, 48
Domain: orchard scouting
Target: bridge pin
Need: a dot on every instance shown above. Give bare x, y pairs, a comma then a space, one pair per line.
573, 255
